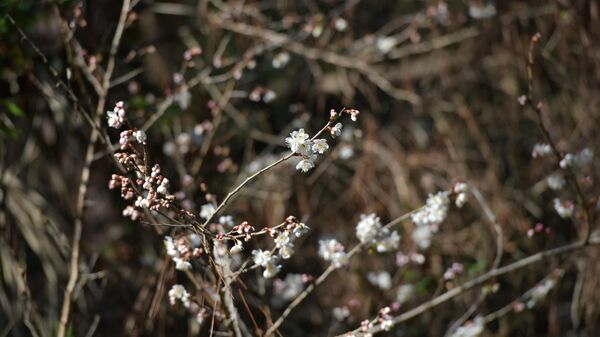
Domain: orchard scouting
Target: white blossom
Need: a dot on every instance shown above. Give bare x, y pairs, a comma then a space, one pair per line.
556, 181
170, 246
564, 209
386, 43
237, 248
577, 160
368, 227
434, 212
207, 210
271, 269
404, 293
382, 279
306, 164
183, 98
541, 150
226, 220
332, 250
178, 292
286, 251
269, 96
116, 117
340, 24
280, 60
181, 264
345, 151
540, 292
304, 149
300, 229
261, 257
461, 190
421, 236
461, 200
295, 139
336, 130
283, 242
140, 136
320, 146
387, 242
341, 313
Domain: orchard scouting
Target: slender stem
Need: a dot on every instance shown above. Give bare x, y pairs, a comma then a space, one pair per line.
233, 192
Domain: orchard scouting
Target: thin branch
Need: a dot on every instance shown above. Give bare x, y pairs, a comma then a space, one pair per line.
571, 177
450, 294
248, 180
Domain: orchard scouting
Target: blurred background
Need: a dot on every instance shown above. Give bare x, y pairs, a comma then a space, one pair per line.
219, 85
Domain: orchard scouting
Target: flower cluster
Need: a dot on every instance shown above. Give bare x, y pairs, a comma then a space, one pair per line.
151, 188
182, 249
244, 229
284, 237
460, 189
155, 194
385, 318
299, 143
128, 135
403, 259
178, 293
541, 150
309, 148
369, 231
455, 269
429, 218
267, 260
116, 117
333, 251
577, 160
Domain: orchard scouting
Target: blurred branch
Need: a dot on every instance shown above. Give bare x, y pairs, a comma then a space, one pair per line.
311, 53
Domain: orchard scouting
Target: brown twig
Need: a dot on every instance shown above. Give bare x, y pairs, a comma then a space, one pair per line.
85, 176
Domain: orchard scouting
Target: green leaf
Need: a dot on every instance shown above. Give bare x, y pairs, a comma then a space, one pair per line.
477, 267
14, 109
421, 286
